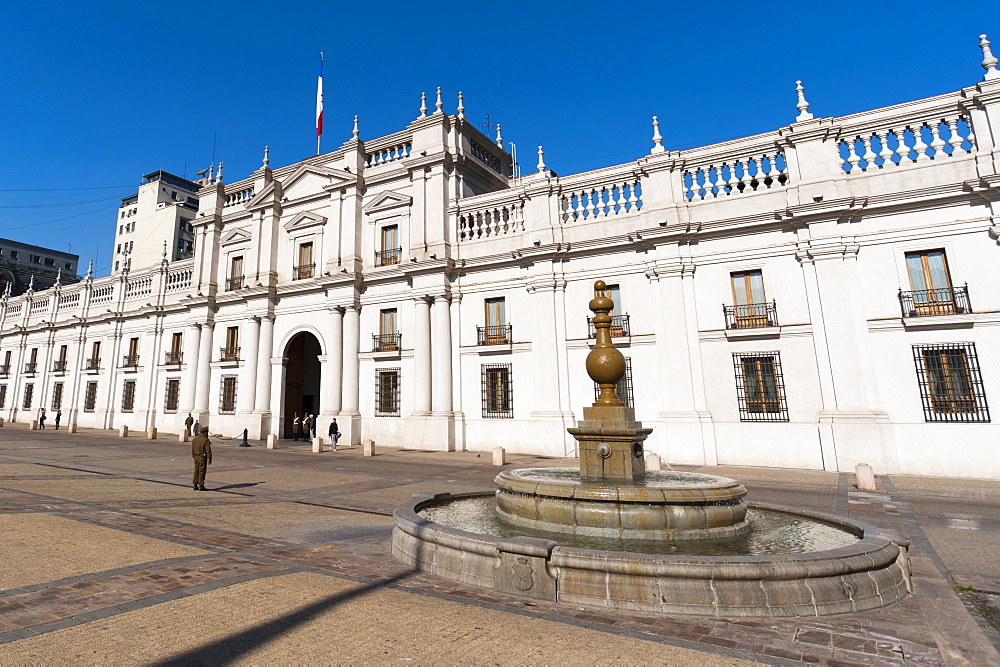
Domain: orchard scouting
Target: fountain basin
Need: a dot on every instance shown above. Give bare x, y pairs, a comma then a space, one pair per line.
868, 573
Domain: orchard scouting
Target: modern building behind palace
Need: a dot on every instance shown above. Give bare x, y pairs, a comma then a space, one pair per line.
814, 297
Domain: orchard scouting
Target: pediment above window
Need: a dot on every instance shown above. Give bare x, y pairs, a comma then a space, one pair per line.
387, 200
304, 220
236, 237
306, 181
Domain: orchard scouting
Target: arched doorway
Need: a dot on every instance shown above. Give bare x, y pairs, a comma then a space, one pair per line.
301, 379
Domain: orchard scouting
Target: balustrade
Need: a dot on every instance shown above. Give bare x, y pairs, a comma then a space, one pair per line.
173, 358
392, 153
234, 283
178, 280
906, 143
238, 196
483, 155
751, 315
130, 361
229, 354
389, 342
303, 271
495, 335
93, 364
138, 288
59, 366
602, 201
14, 310
68, 301
938, 301
102, 294
388, 257
30, 367
496, 220
735, 176
619, 327
38, 306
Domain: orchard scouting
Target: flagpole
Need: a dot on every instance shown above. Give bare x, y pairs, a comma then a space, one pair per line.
319, 103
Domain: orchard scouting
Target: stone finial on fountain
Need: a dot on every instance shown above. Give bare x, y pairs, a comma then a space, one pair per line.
605, 364
657, 137
802, 105
989, 60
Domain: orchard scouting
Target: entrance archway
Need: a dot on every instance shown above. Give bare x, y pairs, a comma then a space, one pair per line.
302, 374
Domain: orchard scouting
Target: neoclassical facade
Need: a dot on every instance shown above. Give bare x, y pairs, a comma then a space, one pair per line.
812, 297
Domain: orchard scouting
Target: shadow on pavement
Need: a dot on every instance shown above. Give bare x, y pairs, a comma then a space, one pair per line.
235, 486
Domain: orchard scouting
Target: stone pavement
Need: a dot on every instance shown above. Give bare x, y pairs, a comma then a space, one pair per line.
109, 556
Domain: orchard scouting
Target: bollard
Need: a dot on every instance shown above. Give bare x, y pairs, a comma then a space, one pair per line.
182, 436
865, 476
72, 427
652, 460
369, 448
244, 443
123, 431
151, 433
272, 441
317, 445
499, 457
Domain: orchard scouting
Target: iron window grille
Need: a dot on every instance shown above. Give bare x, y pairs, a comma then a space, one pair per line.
227, 397
90, 397
619, 327
234, 283
128, 396
130, 361
389, 342
624, 387
59, 366
388, 257
229, 354
3, 396
173, 392
494, 335
173, 358
29, 390
303, 271
938, 301
93, 364
387, 392
951, 385
751, 315
57, 396
760, 387
30, 367
498, 391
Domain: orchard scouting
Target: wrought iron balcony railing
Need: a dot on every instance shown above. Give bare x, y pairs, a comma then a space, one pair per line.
751, 315
619, 326
303, 271
234, 283
30, 367
59, 366
93, 364
495, 335
173, 358
5, 370
939, 301
130, 361
229, 354
386, 342
388, 257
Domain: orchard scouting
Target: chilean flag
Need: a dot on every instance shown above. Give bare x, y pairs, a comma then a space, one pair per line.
319, 99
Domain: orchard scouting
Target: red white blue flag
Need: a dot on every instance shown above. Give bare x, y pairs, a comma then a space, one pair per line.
319, 99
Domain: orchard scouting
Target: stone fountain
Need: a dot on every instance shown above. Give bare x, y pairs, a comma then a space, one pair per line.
613, 534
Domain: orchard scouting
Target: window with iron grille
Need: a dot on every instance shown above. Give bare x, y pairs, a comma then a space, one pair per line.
57, 394
90, 397
387, 392
624, 387
498, 391
173, 391
3, 396
227, 399
951, 386
760, 387
128, 396
29, 390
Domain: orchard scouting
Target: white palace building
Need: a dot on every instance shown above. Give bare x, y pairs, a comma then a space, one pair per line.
812, 297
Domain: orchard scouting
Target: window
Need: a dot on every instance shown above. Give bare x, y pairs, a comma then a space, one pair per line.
951, 386
305, 266
128, 396
173, 391
174, 355
235, 280
496, 331
624, 387
760, 387
497, 391
59, 365
231, 352
35, 258
90, 397
931, 284
387, 392
14, 254
227, 401
94, 363
750, 309
387, 339
132, 358
57, 395
390, 252
3, 396
49, 261
619, 321
32, 364
69, 266
29, 390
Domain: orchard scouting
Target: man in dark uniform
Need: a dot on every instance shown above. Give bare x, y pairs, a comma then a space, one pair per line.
188, 423
201, 450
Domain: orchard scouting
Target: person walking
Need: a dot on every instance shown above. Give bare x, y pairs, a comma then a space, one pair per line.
201, 450
41, 419
334, 435
58, 418
312, 427
297, 427
188, 423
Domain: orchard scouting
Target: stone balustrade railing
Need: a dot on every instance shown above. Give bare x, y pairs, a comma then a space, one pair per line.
387, 149
735, 175
484, 155
609, 198
102, 294
38, 306
179, 279
68, 301
491, 219
138, 288
238, 193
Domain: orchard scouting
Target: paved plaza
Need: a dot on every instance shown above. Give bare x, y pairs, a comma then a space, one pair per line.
110, 557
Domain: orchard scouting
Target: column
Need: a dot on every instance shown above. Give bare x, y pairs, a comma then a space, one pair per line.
248, 351
421, 356
191, 341
262, 400
352, 341
202, 387
441, 356
336, 360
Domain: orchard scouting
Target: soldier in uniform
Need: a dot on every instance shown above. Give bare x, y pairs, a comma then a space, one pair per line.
201, 450
297, 427
188, 423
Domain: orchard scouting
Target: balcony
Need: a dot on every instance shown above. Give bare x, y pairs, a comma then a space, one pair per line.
388, 257
93, 364
303, 271
59, 366
494, 335
234, 283
751, 315
173, 358
619, 327
5, 370
130, 361
939, 301
386, 342
30, 367
229, 354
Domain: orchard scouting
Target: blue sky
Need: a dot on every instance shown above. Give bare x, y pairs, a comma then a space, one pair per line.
97, 94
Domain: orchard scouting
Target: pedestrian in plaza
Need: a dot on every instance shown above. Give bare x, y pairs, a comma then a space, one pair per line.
197, 427
188, 423
312, 427
201, 450
297, 427
41, 419
334, 434
58, 418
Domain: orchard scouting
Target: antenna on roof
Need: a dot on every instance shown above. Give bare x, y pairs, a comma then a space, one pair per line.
488, 126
